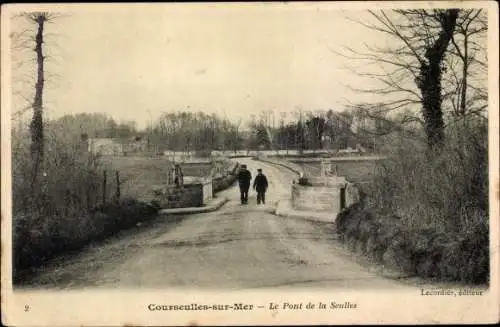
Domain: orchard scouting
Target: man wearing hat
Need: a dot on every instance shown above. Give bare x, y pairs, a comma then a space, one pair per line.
244, 179
260, 185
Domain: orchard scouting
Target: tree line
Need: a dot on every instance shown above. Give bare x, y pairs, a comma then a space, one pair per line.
188, 131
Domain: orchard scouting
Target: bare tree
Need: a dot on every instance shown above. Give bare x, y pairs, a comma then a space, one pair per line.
187, 131
235, 136
467, 65
411, 70
36, 126
29, 34
23, 41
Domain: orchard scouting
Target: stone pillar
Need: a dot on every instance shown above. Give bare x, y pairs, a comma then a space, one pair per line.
327, 169
207, 190
324, 168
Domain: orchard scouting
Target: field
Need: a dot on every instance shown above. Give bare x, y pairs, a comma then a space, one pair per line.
139, 176
354, 171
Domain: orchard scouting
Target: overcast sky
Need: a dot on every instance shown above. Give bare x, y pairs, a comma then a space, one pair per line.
233, 60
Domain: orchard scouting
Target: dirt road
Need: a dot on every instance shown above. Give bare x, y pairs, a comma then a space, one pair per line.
237, 247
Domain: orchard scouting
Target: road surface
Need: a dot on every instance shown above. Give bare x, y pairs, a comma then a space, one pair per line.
237, 247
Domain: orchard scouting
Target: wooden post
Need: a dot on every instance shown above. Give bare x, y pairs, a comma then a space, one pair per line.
342, 198
104, 182
87, 195
117, 185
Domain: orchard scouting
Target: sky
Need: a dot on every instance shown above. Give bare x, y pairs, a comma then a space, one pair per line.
133, 63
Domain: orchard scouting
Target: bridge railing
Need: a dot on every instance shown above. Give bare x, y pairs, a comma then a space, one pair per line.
297, 169
349, 192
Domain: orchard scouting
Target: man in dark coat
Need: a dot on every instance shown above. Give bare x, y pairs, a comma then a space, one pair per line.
244, 180
260, 185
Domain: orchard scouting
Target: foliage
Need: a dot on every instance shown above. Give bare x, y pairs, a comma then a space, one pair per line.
260, 137
186, 131
434, 204
427, 252
66, 211
69, 180
92, 125
447, 190
304, 181
226, 181
328, 130
316, 127
38, 238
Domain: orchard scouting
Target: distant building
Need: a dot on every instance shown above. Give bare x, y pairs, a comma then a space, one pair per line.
117, 147
135, 145
105, 146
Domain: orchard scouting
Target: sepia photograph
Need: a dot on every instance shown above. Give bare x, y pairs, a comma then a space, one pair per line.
250, 163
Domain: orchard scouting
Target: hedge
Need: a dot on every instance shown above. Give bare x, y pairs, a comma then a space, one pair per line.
224, 182
425, 253
38, 239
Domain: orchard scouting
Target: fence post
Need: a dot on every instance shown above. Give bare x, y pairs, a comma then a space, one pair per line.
104, 187
87, 194
117, 185
342, 197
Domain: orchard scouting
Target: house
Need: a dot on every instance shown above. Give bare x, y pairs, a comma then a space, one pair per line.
105, 146
136, 144
116, 146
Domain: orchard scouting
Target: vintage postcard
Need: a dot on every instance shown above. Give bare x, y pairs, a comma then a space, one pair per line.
273, 163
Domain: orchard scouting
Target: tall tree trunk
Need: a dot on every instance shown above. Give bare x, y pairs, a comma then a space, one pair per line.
431, 94
465, 68
36, 126
430, 81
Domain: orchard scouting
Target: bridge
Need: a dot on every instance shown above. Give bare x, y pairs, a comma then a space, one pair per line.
236, 247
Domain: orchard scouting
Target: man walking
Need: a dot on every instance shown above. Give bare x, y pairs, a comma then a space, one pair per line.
244, 179
260, 185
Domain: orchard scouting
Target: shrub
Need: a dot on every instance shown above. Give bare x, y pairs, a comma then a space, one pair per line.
304, 181
63, 212
447, 191
37, 239
427, 212
226, 181
69, 179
